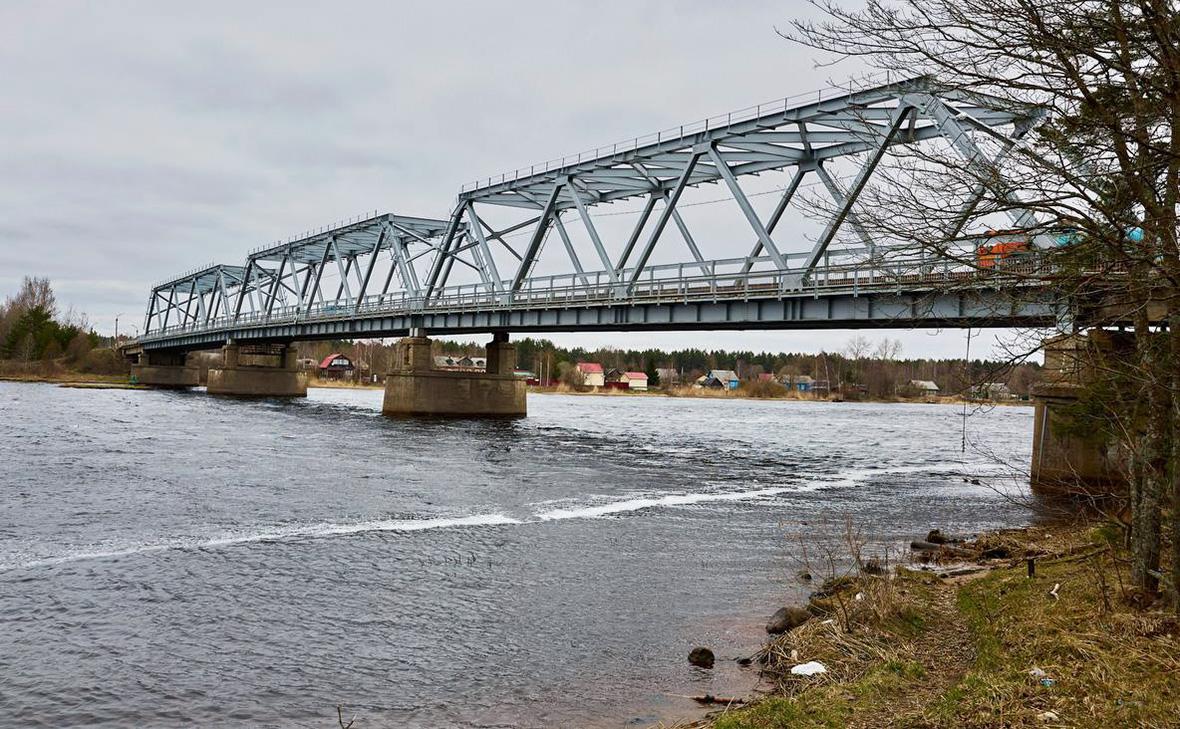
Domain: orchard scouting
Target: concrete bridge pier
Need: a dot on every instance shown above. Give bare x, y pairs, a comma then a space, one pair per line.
165, 370
258, 371
1069, 459
414, 387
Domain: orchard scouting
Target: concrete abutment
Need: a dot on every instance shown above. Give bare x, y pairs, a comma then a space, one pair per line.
1068, 458
414, 387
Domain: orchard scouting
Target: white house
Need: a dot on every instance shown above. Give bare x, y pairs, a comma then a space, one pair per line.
592, 374
634, 380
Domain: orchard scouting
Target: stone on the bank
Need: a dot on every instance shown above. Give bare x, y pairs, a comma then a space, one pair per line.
935, 537
701, 657
787, 618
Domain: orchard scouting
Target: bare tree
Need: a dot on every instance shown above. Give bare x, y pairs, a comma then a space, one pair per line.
1091, 175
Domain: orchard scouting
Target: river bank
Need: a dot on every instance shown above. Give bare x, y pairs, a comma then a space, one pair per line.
972, 641
757, 391
703, 393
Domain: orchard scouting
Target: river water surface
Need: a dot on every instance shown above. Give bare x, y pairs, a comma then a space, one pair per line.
171, 558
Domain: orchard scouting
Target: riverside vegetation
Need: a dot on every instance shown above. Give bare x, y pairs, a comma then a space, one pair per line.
971, 640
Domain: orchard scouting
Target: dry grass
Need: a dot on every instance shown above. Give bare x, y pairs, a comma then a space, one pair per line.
343, 384
921, 650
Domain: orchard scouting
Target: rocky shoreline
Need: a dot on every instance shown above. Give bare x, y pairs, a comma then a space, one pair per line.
945, 639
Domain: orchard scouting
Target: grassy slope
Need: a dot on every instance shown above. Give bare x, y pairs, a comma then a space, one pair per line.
958, 654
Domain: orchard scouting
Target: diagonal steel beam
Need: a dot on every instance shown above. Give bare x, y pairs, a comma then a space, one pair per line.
747, 209
534, 247
569, 249
274, 289
858, 184
399, 250
319, 274
947, 121
665, 216
168, 307
637, 231
490, 273
841, 199
776, 215
586, 221
437, 277
686, 234
244, 288
342, 269
369, 269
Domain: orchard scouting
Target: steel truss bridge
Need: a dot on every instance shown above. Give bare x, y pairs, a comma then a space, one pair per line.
384, 274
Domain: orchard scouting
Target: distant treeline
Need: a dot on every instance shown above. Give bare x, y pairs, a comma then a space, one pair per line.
33, 330
875, 365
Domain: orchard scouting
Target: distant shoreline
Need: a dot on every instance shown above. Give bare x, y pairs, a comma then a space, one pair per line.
87, 381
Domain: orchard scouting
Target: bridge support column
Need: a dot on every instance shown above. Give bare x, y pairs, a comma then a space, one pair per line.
168, 370
414, 387
1069, 459
258, 371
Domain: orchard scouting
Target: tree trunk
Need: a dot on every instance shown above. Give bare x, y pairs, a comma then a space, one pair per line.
1155, 453
1174, 337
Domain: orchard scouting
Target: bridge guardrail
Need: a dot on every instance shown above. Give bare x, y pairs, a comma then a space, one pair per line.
661, 284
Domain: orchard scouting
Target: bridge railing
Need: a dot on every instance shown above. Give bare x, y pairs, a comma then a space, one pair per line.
718, 280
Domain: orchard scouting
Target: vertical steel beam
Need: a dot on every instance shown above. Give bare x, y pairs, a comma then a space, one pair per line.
534, 246
747, 209
665, 216
151, 312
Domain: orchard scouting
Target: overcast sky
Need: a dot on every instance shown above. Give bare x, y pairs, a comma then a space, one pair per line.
144, 139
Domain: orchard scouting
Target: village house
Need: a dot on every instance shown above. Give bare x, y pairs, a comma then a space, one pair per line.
721, 379
668, 376
802, 383
460, 363
634, 380
592, 374
926, 387
993, 391
336, 367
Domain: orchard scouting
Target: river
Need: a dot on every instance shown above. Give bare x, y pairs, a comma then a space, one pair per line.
171, 558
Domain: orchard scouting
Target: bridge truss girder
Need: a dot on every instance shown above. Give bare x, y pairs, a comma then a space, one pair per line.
351, 269
804, 137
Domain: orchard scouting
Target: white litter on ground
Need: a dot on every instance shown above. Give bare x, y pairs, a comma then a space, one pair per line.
808, 669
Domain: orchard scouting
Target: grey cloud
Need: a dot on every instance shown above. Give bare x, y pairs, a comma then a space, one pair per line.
141, 139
